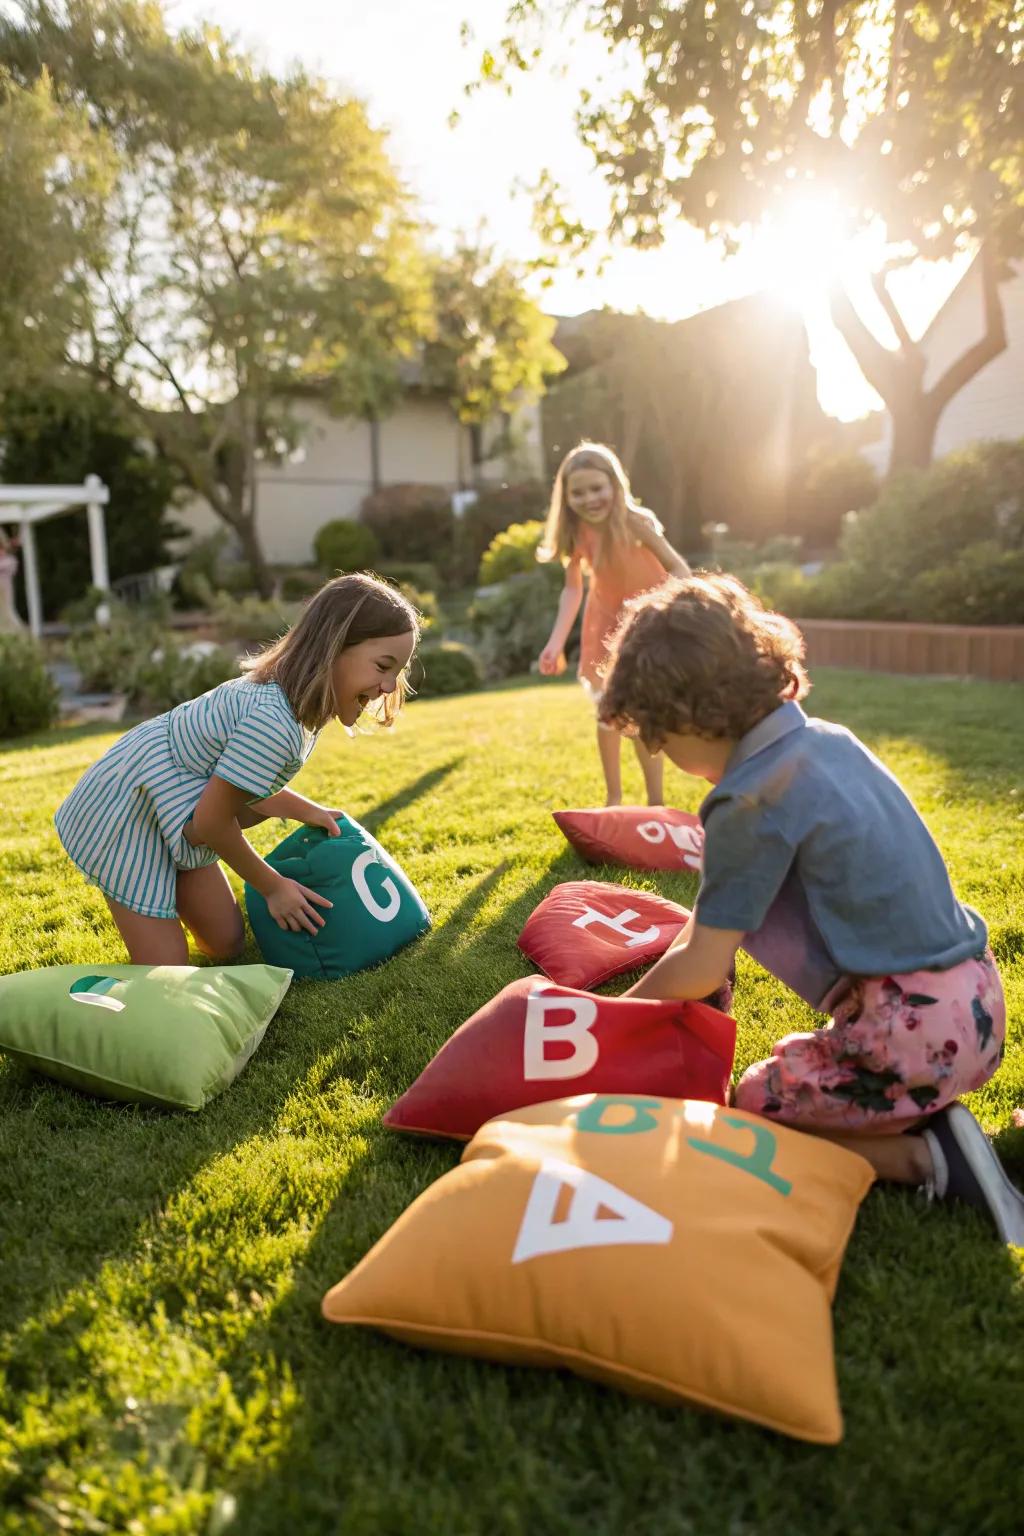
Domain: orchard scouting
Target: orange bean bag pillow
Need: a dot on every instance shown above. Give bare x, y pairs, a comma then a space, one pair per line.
681, 1251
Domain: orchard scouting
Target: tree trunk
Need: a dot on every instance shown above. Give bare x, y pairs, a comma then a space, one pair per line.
898, 375
248, 537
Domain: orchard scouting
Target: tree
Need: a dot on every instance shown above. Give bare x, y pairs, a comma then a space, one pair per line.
908, 115
253, 235
490, 342
57, 436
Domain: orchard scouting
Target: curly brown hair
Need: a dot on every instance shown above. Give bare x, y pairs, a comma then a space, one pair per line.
700, 654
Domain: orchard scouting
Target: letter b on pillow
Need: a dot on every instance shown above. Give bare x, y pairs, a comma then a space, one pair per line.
536, 1039
376, 908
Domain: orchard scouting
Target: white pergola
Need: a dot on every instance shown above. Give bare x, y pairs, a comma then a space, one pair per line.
31, 504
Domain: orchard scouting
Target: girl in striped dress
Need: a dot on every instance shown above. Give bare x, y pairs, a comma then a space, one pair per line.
596, 527
149, 821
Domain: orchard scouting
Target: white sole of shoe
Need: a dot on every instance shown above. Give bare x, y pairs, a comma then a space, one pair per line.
1005, 1200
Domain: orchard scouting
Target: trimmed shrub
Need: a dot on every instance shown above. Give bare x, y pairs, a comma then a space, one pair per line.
344, 545
984, 586
445, 667
510, 553
254, 619
29, 697
418, 573
411, 522
105, 657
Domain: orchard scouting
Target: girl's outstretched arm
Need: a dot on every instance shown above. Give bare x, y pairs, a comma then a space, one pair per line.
551, 658
697, 964
648, 530
215, 824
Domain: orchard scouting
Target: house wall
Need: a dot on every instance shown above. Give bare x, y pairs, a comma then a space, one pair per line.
332, 472
992, 404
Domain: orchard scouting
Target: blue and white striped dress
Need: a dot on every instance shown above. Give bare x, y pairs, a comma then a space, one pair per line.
123, 823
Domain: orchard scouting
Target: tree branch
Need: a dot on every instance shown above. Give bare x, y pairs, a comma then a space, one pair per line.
895, 319
879, 366
991, 344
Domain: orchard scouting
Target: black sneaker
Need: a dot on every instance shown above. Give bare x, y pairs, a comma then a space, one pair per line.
967, 1169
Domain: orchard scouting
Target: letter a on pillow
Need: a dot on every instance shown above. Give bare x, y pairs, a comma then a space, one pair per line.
535, 1039
681, 1251
585, 931
640, 836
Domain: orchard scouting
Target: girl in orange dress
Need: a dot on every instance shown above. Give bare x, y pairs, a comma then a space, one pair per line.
596, 527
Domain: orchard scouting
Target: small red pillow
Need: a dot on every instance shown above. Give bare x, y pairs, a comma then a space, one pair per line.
536, 1041
585, 931
640, 836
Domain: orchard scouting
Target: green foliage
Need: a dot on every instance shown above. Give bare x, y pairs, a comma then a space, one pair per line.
255, 619
172, 673
29, 698
723, 113
411, 522
345, 545
418, 573
491, 343
512, 625
494, 510
945, 545
445, 667
207, 569
58, 436
425, 603
297, 583
511, 552
826, 487
105, 655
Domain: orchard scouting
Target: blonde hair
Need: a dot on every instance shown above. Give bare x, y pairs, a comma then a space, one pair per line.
562, 526
345, 612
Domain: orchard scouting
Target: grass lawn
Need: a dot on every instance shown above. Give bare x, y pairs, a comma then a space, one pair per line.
164, 1368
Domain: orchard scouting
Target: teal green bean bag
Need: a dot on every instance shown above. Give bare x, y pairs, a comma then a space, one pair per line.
170, 1035
376, 908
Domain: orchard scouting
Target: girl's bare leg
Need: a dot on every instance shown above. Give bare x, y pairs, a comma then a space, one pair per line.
149, 940
609, 746
654, 773
207, 907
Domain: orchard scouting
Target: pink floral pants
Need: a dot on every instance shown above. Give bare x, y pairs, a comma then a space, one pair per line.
898, 1048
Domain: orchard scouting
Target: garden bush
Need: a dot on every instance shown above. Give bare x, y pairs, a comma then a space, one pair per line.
511, 552
984, 585
417, 573
445, 667
344, 545
494, 510
411, 522
106, 655
511, 625
172, 673
298, 583
29, 698
257, 620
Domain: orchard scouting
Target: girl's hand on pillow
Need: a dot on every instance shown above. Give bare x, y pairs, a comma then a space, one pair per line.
321, 816
291, 905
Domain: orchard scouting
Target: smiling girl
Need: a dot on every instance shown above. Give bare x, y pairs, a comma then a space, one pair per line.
149, 821
596, 528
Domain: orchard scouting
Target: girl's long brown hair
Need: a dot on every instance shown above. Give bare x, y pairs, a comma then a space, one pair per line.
562, 526
345, 612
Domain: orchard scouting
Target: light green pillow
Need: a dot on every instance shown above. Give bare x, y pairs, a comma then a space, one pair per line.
173, 1035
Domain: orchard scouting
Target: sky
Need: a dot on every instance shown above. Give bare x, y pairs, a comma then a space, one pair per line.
407, 61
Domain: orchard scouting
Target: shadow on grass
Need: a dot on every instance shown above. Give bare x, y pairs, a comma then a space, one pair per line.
376, 817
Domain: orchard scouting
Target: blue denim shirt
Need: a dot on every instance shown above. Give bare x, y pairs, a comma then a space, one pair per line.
815, 853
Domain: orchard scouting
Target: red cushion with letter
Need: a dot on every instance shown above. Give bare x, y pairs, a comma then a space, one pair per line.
585, 931
641, 836
536, 1040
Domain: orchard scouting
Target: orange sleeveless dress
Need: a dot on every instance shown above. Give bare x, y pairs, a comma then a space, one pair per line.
633, 569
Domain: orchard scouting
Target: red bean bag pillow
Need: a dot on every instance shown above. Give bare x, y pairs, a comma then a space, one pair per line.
585, 931
640, 836
536, 1041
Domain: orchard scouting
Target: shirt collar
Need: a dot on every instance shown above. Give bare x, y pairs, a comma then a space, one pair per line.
788, 717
